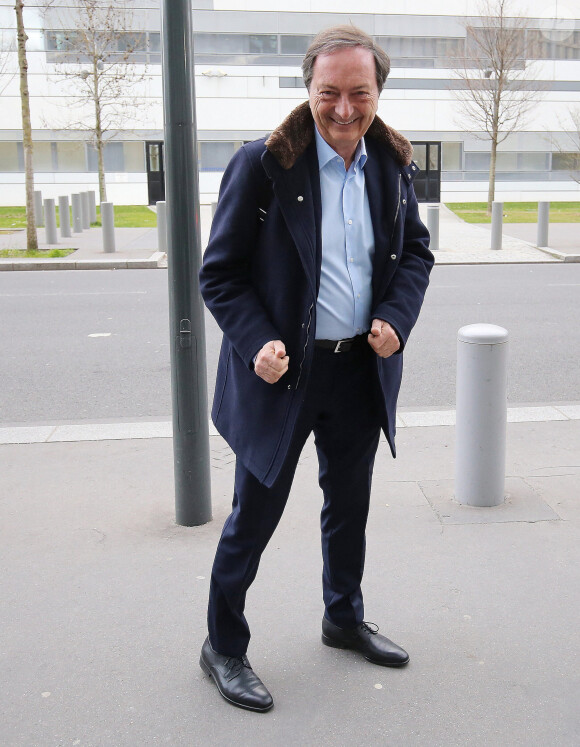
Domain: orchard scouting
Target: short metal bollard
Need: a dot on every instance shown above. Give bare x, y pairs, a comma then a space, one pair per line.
77, 213
85, 208
433, 226
480, 432
64, 217
38, 219
108, 223
543, 223
496, 224
161, 226
50, 232
92, 206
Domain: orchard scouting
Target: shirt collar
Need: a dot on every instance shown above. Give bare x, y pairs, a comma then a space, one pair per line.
326, 153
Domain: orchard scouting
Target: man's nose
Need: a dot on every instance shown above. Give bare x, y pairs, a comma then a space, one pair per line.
344, 108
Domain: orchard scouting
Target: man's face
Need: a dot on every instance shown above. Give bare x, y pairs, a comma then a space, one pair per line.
344, 97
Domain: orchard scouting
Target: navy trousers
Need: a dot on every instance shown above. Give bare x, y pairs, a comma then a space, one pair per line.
341, 408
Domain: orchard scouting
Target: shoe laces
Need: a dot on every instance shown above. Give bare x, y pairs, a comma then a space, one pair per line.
235, 664
369, 627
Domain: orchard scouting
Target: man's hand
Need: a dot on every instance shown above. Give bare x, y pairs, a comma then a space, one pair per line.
272, 362
383, 338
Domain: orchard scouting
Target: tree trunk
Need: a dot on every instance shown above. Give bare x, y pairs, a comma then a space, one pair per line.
31, 235
493, 159
99, 133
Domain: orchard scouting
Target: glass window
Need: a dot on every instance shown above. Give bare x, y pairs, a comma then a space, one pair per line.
9, 157
451, 157
477, 161
565, 161
113, 157
293, 44
533, 161
290, 82
42, 157
507, 162
434, 157
134, 157
154, 41
263, 44
70, 157
215, 156
154, 157
420, 155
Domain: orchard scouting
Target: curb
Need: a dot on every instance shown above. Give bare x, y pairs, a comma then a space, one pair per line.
154, 262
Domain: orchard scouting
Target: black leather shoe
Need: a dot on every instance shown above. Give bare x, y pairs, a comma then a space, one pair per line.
235, 679
366, 639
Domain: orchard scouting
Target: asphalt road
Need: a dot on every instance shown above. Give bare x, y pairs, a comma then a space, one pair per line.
94, 345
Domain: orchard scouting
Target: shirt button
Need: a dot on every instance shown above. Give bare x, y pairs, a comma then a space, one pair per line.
350, 259
393, 256
300, 198
350, 223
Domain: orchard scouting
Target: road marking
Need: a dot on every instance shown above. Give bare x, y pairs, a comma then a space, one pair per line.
563, 285
100, 334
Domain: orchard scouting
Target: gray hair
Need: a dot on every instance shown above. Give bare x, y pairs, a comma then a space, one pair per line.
338, 37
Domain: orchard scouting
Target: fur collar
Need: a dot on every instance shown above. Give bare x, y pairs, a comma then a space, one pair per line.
292, 137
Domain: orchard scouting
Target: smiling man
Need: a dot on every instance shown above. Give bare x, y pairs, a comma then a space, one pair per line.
316, 270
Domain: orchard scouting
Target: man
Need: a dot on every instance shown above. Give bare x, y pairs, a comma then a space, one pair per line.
316, 270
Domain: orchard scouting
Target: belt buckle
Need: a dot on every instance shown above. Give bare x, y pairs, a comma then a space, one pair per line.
338, 344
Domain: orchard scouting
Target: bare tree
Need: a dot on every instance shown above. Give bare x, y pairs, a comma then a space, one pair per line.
22, 38
496, 91
94, 53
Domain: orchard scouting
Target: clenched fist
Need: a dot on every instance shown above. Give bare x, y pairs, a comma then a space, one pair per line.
272, 362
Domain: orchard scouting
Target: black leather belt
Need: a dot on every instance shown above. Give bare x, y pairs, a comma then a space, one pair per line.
343, 346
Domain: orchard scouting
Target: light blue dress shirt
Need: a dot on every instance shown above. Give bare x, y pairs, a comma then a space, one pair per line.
344, 300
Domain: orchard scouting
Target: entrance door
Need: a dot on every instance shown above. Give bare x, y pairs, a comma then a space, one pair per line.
428, 182
155, 172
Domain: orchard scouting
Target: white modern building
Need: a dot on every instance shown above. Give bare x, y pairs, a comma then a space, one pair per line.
248, 78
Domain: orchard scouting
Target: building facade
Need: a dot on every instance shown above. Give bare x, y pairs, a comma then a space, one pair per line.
248, 78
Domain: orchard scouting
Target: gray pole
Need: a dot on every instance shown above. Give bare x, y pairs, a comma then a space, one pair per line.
64, 215
92, 206
543, 223
496, 224
50, 233
480, 431
108, 224
77, 213
38, 208
433, 226
161, 226
186, 316
85, 210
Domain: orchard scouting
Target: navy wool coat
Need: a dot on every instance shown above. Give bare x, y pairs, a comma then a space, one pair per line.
261, 272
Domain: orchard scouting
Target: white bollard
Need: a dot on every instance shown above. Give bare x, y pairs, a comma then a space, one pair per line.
92, 206
480, 432
77, 213
543, 223
50, 232
108, 223
86, 210
64, 215
161, 226
496, 224
433, 226
38, 219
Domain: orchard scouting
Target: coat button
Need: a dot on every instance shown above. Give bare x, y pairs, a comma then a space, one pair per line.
404, 202
300, 198
413, 168
393, 256
289, 386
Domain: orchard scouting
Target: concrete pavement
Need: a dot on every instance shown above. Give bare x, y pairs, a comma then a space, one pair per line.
460, 243
104, 597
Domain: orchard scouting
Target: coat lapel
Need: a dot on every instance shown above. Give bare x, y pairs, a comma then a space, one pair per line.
299, 204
